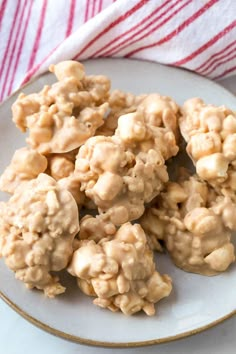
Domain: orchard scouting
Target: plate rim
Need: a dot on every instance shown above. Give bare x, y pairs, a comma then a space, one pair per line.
91, 342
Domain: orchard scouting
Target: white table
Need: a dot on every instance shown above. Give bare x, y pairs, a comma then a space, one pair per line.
17, 336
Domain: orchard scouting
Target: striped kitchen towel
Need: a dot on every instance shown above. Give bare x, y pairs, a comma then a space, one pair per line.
199, 35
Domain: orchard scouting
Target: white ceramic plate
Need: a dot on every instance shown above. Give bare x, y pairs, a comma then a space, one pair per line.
196, 302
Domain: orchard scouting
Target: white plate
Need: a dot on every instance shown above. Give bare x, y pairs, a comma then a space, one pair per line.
196, 302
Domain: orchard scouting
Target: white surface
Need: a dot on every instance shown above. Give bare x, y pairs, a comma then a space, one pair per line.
18, 336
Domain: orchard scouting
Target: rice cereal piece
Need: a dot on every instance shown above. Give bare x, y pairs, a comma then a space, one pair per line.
37, 228
61, 165
120, 103
154, 229
120, 272
95, 228
73, 185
